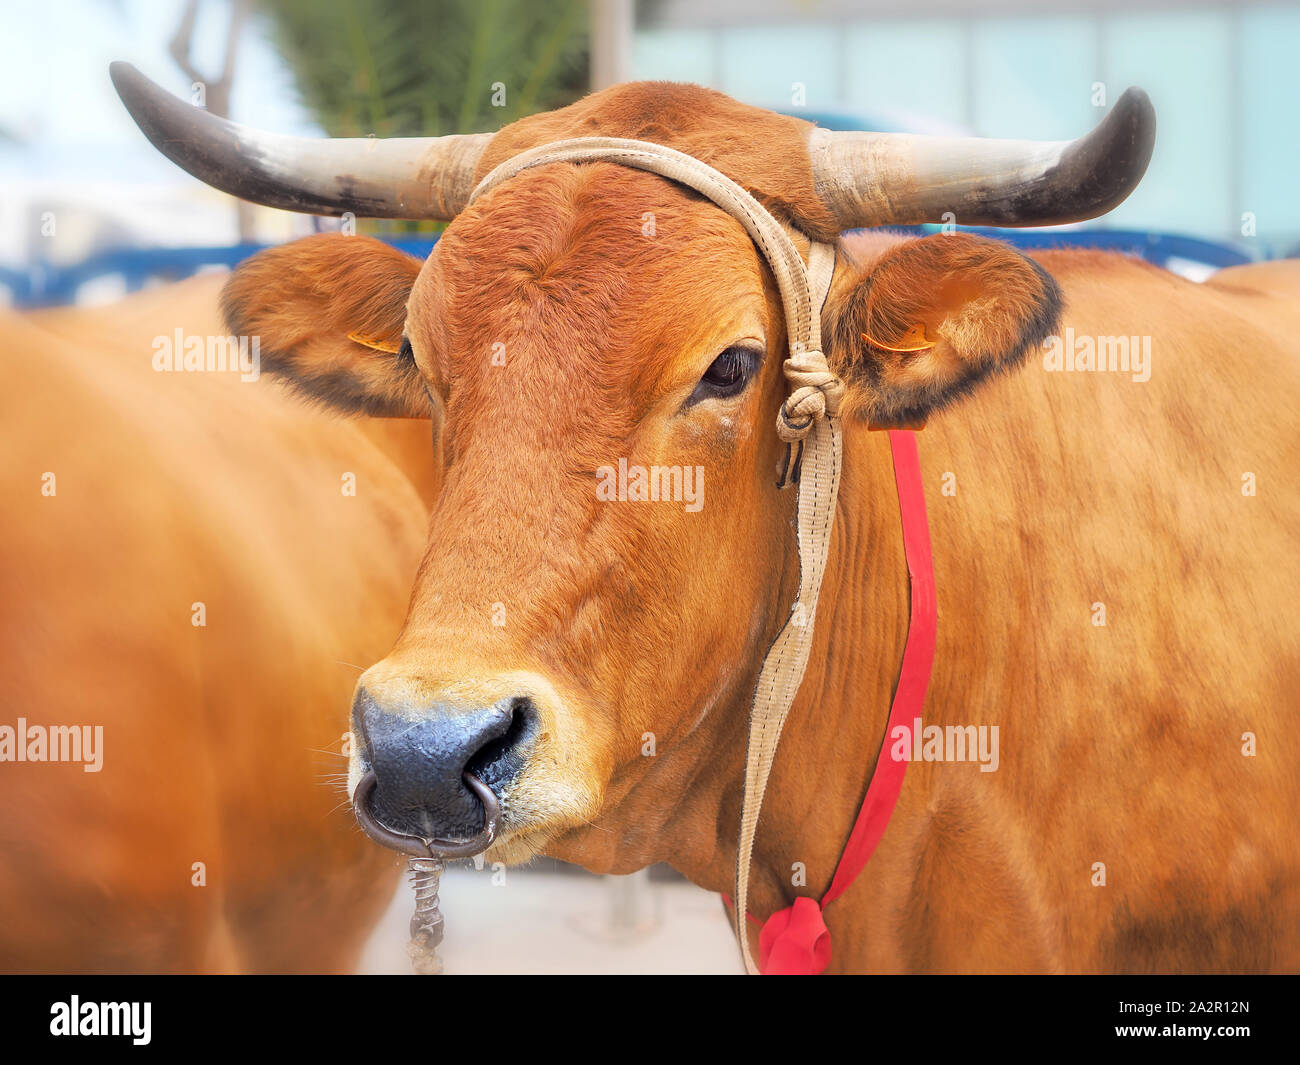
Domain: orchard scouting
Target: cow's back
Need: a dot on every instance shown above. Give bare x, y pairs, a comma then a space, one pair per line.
1115, 561
180, 498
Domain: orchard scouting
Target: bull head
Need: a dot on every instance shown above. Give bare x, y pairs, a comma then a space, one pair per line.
587, 655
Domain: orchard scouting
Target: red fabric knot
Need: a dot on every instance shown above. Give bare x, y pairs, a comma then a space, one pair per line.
795, 941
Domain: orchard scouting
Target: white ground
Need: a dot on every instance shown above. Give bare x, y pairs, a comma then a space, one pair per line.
541, 921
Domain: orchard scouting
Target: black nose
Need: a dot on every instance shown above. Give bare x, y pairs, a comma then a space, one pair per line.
419, 758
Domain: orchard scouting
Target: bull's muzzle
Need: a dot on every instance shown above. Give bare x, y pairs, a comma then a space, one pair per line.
419, 845
433, 777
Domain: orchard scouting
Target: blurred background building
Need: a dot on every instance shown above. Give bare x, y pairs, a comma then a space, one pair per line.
1224, 78
79, 179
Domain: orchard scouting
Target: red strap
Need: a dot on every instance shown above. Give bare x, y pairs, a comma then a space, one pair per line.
795, 940
913, 677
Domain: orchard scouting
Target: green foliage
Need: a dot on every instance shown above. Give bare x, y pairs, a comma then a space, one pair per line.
397, 68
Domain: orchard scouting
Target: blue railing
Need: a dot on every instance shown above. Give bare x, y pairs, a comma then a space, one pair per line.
1157, 248
44, 285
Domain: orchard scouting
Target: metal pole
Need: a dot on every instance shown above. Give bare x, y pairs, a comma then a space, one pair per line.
612, 24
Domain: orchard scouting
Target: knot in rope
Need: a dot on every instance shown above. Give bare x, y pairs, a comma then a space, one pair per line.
815, 392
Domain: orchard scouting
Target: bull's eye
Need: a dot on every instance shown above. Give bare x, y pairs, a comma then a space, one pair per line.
728, 375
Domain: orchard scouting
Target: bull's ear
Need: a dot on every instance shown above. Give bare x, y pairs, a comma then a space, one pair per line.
927, 321
329, 313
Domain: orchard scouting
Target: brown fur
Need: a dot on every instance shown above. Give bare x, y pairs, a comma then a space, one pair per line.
983, 306
1119, 744
221, 744
764, 152
326, 288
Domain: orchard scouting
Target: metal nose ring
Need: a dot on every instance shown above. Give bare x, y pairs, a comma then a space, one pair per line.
419, 845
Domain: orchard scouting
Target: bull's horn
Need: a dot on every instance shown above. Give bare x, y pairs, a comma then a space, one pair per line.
401, 177
872, 179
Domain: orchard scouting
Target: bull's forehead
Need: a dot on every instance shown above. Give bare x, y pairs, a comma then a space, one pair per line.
763, 151
592, 289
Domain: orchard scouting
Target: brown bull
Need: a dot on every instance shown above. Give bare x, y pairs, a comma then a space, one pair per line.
208, 838
1113, 550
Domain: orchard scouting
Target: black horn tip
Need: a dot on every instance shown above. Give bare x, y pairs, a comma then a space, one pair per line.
137, 92
1104, 167
190, 137
122, 73
245, 163
1134, 121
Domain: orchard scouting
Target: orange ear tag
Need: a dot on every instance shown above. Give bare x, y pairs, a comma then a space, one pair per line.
376, 343
912, 341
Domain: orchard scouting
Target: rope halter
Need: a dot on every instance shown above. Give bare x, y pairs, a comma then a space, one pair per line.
807, 421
